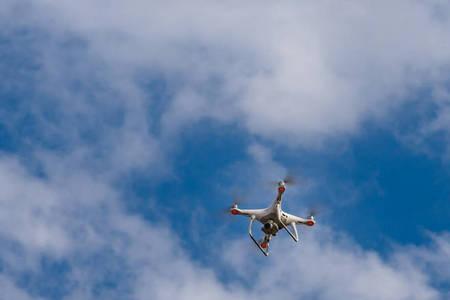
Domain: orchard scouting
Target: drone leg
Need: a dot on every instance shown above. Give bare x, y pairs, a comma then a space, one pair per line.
294, 234
294, 228
265, 252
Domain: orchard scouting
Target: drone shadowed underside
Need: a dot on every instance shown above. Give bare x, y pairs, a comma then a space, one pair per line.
273, 219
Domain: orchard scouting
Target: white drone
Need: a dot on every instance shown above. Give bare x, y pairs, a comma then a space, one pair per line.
273, 219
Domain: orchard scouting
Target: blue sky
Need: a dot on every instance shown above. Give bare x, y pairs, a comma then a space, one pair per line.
127, 128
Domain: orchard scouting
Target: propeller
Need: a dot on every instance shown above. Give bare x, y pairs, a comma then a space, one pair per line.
290, 180
236, 202
318, 209
312, 213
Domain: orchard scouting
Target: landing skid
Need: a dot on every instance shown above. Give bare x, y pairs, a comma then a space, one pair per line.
265, 252
294, 234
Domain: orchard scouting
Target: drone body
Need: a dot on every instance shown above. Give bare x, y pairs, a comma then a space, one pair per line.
273, 219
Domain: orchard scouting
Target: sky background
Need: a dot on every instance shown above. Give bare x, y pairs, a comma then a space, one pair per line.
127, 127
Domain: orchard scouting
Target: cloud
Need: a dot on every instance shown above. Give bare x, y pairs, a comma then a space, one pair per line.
326, 265
10, 291
57, 96
430, 134
112, 254
432, 259
299, 73
295, 72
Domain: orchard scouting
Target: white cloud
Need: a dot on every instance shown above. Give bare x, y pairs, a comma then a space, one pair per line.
10, 291
431, 135
28, 213
296, 72
433, 259
80, 221
303, 70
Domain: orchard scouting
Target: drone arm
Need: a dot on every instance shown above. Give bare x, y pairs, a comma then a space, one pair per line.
298, 220
308, 222
247, 212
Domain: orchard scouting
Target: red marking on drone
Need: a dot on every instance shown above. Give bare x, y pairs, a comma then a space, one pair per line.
234, 211
310, 223
281, 189
264, 245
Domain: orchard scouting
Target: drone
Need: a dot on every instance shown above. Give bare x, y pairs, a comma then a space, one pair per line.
273, 219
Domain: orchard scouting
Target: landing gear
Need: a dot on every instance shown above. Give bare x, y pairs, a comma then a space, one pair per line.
263, 244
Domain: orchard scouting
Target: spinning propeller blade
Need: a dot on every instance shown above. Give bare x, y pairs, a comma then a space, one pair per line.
290, 180
236, 202
318, 209
312, 212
